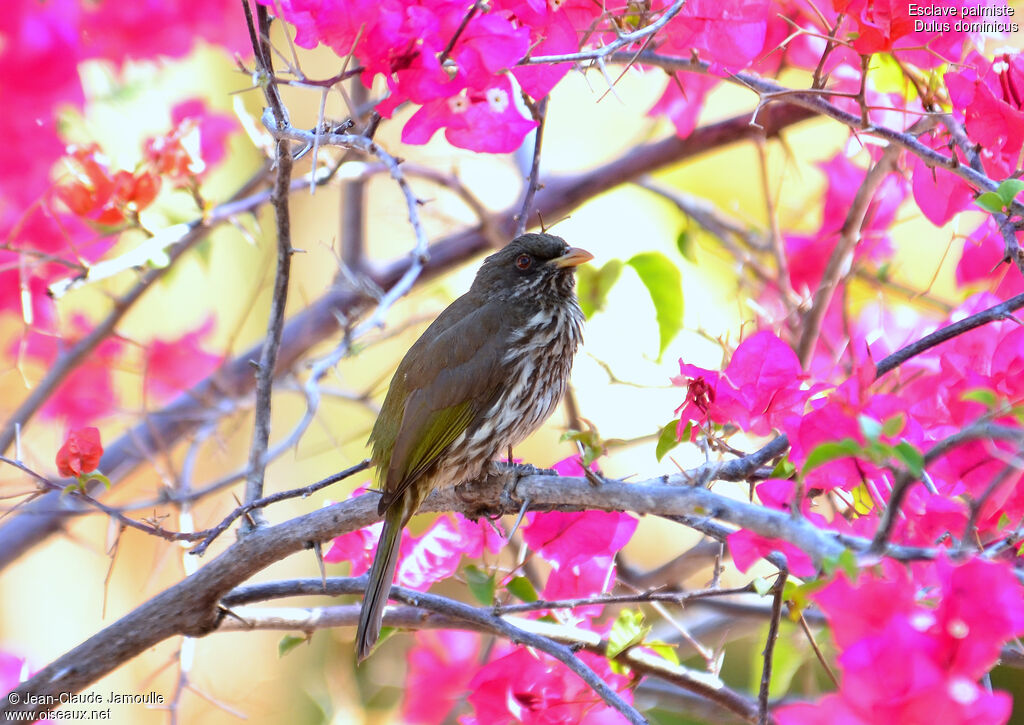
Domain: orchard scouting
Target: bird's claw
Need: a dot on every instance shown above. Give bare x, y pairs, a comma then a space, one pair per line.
500, 468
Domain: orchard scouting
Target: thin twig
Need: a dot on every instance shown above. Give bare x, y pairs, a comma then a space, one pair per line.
655, 595
353, 203
769, 649
841, 260
210, 534
817, 650
623, 40
540, 112
275, 323
1002, 311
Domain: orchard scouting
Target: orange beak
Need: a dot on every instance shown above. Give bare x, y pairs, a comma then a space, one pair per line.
573, 258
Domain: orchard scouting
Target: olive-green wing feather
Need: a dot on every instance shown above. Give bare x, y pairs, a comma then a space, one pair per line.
446, 380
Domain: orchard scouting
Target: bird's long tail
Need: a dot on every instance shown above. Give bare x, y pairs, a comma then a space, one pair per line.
382, 574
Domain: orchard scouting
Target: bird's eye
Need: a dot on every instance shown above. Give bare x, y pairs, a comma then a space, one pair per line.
523, 261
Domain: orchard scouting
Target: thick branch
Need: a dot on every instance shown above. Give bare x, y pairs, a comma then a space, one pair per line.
190, 607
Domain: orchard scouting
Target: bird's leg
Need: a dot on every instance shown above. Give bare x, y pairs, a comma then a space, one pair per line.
508, 491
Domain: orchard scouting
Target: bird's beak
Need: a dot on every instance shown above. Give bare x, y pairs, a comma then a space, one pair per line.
573, 258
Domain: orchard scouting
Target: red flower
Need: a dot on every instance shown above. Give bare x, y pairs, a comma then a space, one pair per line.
80, 453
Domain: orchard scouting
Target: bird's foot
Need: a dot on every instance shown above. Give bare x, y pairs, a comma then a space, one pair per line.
500, 468
512, 473
474, 508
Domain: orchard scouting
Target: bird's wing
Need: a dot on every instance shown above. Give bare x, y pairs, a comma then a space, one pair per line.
455, 370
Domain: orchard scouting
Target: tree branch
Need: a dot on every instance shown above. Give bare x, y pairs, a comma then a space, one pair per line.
279, 298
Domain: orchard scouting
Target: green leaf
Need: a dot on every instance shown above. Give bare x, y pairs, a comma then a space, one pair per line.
1003, 522
593, 444
593, 285
870, 428
762, 586
667, 440
481, 584
628, 631
665, 285
830, 451
783, 469
798, 595
894, 425
665, 650
1009, 189
686, 244
991, 201
981, 395
94, 476
288, 643
522, 589
910, 457
848, 563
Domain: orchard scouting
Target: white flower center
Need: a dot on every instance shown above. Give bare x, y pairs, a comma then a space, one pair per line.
497, 99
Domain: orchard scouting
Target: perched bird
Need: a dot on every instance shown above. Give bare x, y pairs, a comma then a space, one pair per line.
486, 373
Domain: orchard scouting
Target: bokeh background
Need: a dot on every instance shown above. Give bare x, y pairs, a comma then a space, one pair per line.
74, 584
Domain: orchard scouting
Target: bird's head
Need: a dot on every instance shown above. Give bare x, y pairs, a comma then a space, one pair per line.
531, 265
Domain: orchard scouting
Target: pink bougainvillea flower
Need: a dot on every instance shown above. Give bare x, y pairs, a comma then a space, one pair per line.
80, 453
683, 100
554, 36
914, 641
866, 606
747, 548
485, 120
436, 554
940, 194
886, 26
488, 45
808, 254
171, 366
730, 34
118, 30
88, 392
586, 579
988, 94
422, 560
760, 389
535, 689
214, 128
568, 539
980, 262
440, 665
972, 629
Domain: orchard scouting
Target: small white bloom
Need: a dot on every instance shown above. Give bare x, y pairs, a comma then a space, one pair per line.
957, 628
497, 99
963, 690
458, 104
922, 621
